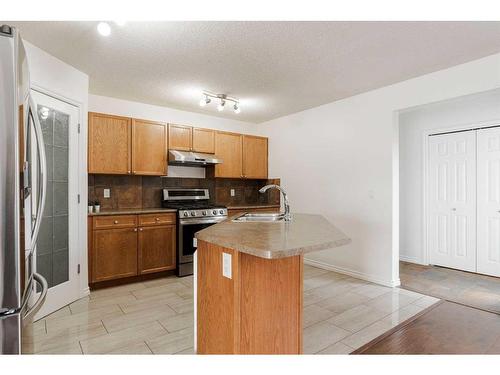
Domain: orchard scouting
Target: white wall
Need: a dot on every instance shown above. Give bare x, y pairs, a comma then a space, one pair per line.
467, 111
341, 160
58, 79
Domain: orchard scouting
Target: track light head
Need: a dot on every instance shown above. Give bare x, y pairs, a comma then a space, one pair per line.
205, 101
221, 105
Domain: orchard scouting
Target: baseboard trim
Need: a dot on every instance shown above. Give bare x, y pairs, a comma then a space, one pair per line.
353, 273
409, 259
85, 291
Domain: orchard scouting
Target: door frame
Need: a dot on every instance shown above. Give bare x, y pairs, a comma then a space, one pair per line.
81, 186
425, 260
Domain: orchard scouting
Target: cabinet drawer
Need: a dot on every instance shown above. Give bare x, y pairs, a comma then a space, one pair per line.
157, 219
115, 221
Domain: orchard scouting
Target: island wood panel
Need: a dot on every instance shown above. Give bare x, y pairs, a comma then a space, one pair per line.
257, 311
271, 305
254, 156
149, 148
109, 148
203, 140
156, 249
228, 147
217, 302
114, 254
180, 137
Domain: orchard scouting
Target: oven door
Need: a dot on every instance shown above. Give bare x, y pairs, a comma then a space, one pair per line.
186, 244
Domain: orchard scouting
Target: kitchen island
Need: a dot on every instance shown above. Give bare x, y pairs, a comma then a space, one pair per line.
249, 283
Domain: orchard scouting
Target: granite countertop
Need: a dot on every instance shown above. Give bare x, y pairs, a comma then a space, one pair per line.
304, 234
251, 206
133, 211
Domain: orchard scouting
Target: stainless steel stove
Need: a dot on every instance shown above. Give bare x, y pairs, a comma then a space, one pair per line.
194, 213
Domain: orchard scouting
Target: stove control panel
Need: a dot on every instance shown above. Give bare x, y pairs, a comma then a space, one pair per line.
209, 212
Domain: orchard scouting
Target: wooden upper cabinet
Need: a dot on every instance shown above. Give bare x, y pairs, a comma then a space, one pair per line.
228, 146
149, 148
254, 157
204, 140
109, 146
180, 137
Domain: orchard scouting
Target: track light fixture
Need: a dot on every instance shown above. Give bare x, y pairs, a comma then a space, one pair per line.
222, 98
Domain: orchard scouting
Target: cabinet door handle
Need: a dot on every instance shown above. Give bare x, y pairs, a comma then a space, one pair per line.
116, 221
157, 219
135, 229
140, 229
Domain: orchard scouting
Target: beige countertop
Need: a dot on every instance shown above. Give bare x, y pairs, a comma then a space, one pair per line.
304, 234
134, 211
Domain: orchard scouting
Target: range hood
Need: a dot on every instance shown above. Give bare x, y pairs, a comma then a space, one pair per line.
197, 159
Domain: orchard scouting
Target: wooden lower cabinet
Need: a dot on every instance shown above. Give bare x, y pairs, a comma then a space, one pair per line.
114, 254
156, 249
122, 246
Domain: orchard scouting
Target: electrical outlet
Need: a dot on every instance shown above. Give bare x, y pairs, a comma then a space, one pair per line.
107, 193
232, 193
226, 265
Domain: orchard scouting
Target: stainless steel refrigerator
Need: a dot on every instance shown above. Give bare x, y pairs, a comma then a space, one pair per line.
23, 183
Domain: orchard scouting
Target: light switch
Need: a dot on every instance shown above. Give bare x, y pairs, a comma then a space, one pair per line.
195, 242
232, 193
107, 193
226, 265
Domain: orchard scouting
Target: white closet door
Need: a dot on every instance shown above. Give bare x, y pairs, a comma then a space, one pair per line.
452, 200
488, 201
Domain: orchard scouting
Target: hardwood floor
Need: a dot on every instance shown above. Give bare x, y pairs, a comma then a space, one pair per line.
446, 328
480, 291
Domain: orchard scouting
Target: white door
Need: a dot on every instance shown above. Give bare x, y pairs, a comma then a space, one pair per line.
488, 201
452, 200
56, 250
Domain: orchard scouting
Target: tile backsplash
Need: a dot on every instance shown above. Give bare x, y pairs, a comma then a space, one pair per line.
132, 192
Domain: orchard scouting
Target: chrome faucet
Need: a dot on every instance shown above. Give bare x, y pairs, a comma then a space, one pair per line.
287, 214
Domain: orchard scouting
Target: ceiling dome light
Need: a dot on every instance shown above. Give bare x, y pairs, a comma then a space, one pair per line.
104, 29
220, 107
204, 102
236, 108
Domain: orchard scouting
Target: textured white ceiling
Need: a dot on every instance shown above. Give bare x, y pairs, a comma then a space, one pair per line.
275, 68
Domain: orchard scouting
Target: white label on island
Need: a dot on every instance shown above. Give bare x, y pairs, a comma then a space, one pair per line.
226, 265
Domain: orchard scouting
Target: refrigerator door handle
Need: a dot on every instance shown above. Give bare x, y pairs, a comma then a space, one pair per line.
42, 170
24, 303
41, 299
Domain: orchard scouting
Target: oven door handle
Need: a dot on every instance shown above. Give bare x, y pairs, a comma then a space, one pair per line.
201, 221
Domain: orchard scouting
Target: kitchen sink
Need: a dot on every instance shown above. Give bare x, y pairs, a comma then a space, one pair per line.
259, 217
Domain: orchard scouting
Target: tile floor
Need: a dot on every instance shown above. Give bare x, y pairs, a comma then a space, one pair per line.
156, 317
467, 288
